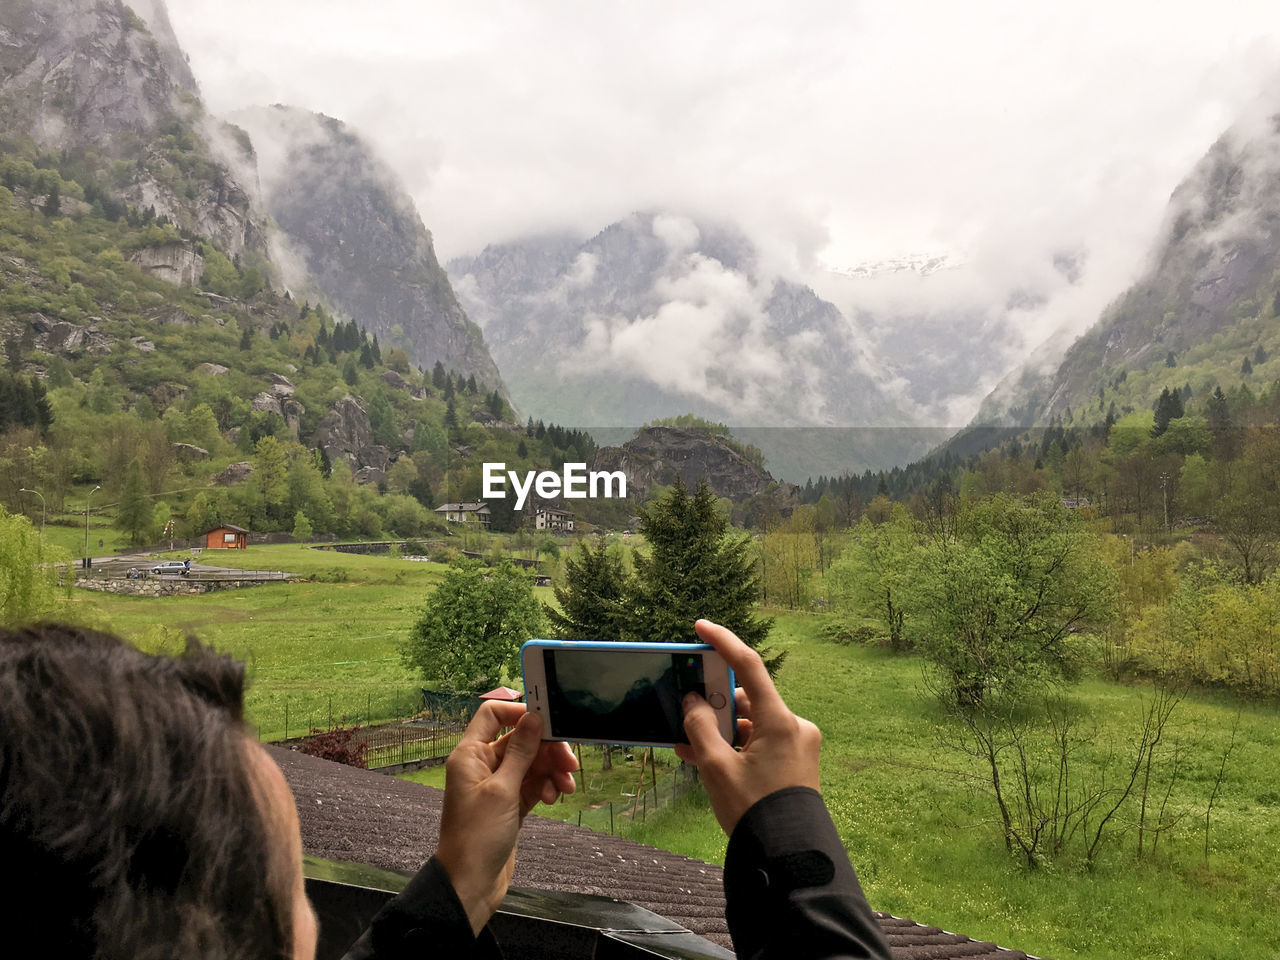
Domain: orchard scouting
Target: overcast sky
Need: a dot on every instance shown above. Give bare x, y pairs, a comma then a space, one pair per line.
841, 129
1003, 134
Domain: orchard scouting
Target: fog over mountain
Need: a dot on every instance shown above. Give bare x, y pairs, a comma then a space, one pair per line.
1035, 145
658, 314
353, 231
1214, 264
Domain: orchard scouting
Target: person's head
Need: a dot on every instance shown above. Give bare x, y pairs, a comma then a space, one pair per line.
135, 810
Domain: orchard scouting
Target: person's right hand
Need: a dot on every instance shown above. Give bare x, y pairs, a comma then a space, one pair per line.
778, 749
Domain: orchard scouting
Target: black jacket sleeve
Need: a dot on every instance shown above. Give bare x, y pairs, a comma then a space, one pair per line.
790, 889
426, 919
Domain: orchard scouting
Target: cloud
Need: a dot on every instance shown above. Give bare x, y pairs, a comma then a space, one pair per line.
831, 132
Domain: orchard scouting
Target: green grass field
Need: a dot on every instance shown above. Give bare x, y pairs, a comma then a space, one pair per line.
923, 840
314, 649
926, 846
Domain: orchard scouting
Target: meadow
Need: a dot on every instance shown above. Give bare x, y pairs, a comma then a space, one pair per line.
919, 829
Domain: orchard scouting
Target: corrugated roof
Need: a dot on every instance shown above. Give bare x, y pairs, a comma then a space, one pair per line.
368, 817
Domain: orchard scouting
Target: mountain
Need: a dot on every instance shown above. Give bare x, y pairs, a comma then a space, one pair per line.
92, 83
1209, 297
659, 315
361, 239
658, 456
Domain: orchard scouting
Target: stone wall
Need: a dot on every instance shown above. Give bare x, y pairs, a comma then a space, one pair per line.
164, 586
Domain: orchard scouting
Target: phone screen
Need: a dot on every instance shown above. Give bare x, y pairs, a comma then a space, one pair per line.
624, 696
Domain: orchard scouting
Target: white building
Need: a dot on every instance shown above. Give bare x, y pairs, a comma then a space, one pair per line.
465, 513
554, 520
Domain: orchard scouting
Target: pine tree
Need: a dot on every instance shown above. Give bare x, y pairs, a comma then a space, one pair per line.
1168, 407
451, 415
694, 569
349, 372
1170, 361
438, 375
1246, 368
134, 513
246, 339
593, 601
1260, 355
1219, 415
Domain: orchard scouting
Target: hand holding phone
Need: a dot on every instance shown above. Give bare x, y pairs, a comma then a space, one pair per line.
617, 692
779, 749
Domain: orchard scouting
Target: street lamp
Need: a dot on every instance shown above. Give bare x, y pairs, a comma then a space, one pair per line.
42, 510
87, 563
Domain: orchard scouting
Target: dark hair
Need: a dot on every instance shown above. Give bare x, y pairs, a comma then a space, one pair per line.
128, 812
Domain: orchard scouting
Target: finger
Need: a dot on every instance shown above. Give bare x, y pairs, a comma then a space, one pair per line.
744, 732
564, 781
521, 750
703, 730
746, 664
742, 703
491, 719
686, 753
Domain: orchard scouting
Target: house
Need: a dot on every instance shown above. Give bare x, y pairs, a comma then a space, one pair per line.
226, 537
465, 513
550, 518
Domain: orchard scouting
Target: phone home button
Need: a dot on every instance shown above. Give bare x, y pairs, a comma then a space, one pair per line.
716, 700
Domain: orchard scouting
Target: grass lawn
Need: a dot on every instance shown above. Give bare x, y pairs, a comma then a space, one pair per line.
926, 846
315, 648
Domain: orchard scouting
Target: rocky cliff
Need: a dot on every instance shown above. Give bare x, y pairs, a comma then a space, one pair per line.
657, 456
1217, 263
361, 238
92, 82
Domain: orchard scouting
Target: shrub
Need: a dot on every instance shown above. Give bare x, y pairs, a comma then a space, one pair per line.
341, 745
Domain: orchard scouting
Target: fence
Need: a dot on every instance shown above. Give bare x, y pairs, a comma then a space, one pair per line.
439, 720
410, 742
614, 816
301, 712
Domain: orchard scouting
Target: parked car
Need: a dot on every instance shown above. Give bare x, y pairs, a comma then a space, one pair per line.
170, 566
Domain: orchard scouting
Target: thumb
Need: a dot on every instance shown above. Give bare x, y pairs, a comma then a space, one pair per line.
703, 730
522, 749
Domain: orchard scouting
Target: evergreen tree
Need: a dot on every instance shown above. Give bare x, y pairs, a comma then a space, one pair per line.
522, 451
471, 385
694, 569
593, 601
448, 387
1246, 367
349, 372
1260, 355
450, 415
366, 356
133, 515
438, 375
1169, 361
1168, 407
495, 404
246, 339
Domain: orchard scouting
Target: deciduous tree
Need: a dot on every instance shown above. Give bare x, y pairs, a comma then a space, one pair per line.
473, 625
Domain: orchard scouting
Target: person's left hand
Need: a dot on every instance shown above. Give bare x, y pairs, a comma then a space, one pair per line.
490, 784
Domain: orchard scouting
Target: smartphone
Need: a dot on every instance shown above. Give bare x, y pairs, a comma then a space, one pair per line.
621, 692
